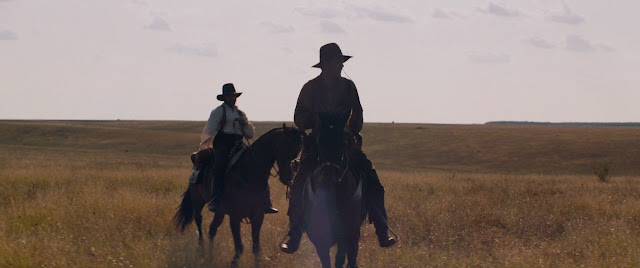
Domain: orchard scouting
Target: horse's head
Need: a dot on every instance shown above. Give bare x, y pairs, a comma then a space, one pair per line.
287, 145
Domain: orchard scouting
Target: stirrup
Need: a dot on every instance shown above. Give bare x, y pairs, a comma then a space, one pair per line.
270, 210
213, 205
388, 240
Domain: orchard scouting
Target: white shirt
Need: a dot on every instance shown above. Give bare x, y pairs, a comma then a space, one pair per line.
231, 126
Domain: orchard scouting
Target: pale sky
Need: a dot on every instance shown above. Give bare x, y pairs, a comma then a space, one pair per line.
413, 61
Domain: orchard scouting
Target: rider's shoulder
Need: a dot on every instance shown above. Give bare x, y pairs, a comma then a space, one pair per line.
318, 80
217, 109
348, 81
311, 84
313, 81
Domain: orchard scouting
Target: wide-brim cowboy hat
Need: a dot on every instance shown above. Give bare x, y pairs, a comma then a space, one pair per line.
228, 90
329, 52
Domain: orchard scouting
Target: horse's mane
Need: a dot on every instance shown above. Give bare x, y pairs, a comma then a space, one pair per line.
269, 133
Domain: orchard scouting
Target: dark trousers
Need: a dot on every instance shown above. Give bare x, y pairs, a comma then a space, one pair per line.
308, 162
222, 145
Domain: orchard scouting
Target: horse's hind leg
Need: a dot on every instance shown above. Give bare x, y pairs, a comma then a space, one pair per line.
197, 217
234, 222
213, 229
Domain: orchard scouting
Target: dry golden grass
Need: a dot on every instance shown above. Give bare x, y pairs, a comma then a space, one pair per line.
81, 204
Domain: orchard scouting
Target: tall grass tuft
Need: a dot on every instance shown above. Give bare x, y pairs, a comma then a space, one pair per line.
603, 170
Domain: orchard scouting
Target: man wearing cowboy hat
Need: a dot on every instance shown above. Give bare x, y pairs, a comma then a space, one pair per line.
227, 125
330, 92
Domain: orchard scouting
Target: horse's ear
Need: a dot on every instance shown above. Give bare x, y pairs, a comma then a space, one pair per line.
283, 125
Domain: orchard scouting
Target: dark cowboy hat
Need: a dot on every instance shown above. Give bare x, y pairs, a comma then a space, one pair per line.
228, 90
329, 52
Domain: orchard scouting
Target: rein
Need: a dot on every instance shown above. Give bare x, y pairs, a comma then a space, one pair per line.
345, 159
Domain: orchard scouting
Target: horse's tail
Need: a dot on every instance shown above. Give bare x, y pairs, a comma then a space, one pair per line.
184, 215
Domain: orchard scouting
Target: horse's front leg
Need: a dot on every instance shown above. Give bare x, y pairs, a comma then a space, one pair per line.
234, 222
352, 239
340, 254
256, 225
323, 254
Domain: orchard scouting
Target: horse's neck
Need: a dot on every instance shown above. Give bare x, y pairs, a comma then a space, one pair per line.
263, 153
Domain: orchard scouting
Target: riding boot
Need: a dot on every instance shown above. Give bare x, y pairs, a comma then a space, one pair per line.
296, 218
377, 211
268, 208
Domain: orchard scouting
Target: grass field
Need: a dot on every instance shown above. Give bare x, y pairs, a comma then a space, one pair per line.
102, 193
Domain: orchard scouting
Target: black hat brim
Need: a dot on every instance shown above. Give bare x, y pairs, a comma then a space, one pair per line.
345, 58
237, 94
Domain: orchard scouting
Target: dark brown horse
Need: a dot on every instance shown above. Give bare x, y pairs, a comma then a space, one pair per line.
245, 187
334, 209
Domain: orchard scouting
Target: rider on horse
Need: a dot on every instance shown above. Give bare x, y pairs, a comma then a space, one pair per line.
226, 127
330, 92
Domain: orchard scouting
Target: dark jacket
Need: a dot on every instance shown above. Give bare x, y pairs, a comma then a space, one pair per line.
316, 96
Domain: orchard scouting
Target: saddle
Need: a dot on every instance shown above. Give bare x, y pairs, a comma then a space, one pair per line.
198, 173
203, 161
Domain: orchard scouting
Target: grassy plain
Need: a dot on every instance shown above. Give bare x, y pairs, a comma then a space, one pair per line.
102, 193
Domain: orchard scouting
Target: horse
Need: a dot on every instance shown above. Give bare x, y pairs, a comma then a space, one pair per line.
334, 204
245, 188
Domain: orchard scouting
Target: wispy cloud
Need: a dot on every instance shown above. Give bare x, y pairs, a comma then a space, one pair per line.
277, 29
498, 10
323, 13
208, 50
567, 17
8, 35
489, 57
439, 14
578, 44
331, 28
138, 3
381, 15
158, 24
539, 43
606, 48
376, 14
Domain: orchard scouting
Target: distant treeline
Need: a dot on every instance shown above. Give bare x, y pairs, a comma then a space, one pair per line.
598, 124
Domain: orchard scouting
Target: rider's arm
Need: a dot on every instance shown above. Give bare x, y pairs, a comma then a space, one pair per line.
211, 128
248, 130
303, 117
247, 127
355, 121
